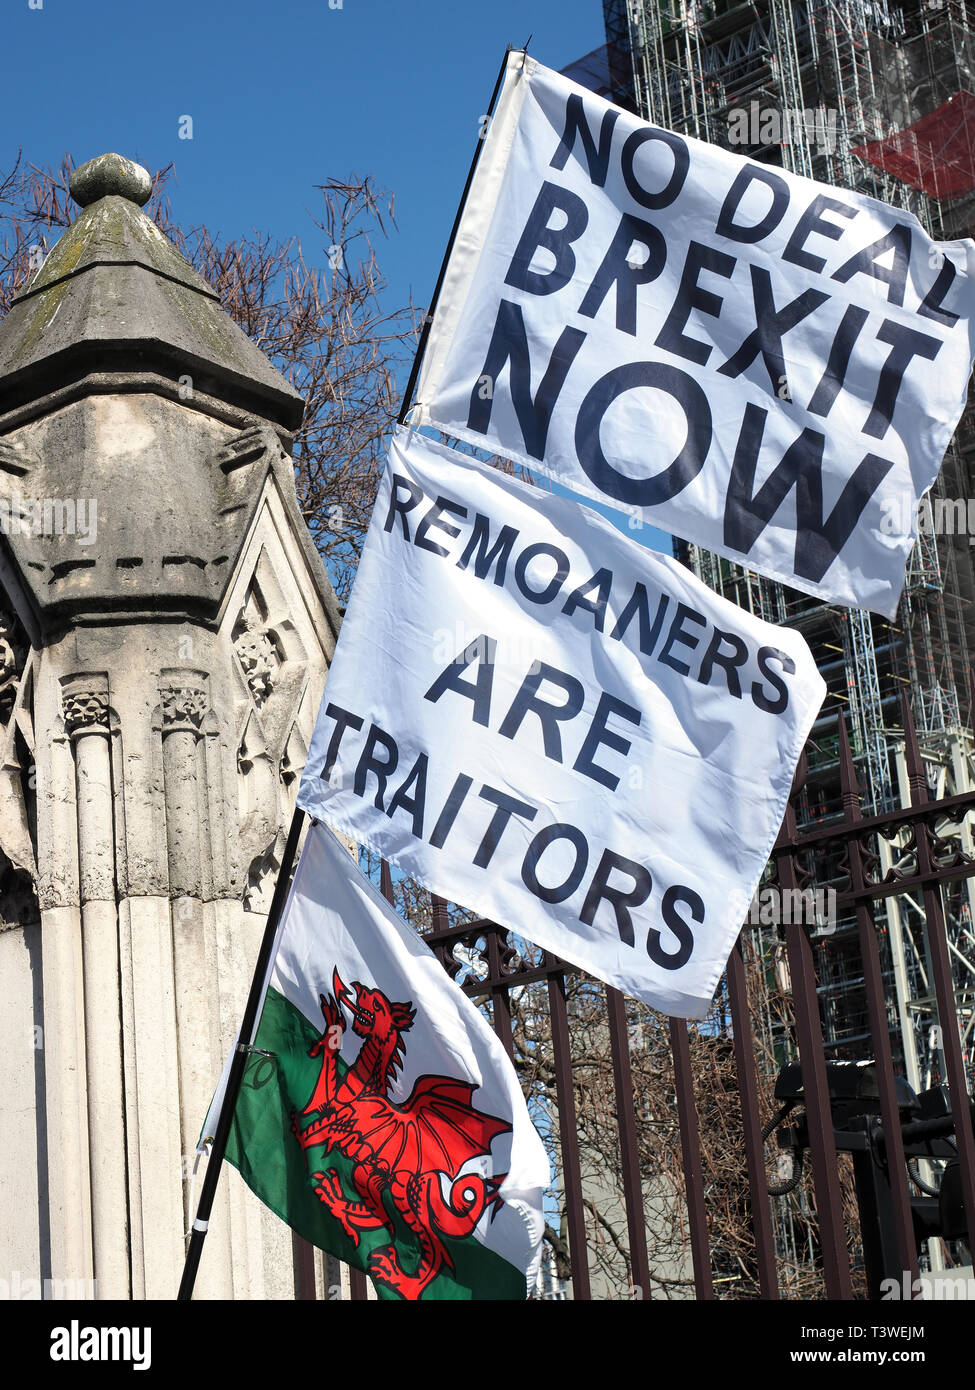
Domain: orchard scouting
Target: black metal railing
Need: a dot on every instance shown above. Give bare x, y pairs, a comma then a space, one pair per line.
858, 1213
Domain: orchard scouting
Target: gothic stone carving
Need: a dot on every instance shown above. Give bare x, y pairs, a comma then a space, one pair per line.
183, 708
13, 654
257, 656
84, 710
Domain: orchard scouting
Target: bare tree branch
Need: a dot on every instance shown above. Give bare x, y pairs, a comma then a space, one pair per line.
325, 328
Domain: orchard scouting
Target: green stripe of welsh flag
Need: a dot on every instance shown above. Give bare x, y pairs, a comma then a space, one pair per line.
270, 1160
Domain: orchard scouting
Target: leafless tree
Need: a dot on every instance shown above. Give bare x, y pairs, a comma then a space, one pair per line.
720, 1137
326, 327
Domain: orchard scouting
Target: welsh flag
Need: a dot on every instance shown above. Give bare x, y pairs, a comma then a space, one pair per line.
380, 1116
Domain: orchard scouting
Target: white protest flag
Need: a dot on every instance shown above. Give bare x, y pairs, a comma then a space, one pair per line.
554, 726
766, 366
381, 1117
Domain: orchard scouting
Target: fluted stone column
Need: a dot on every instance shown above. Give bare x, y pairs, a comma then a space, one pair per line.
183, 707
86, 718
65, 1053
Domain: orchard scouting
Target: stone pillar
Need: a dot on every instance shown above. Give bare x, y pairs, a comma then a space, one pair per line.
65, 1096
178, 648
87, 720
184, 703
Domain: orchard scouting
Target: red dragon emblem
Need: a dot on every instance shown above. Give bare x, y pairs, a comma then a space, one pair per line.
400, 1152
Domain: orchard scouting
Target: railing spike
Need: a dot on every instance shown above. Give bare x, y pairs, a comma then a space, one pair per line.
848, 772
802, 772
438, 908
912, 755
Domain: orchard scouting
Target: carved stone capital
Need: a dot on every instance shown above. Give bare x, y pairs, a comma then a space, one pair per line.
183, 708
85, 710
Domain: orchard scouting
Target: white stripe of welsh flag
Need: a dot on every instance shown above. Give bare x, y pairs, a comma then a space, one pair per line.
388, 1127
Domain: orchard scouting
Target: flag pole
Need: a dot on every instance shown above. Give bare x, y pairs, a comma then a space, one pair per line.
254, 999
428, 316
242, 1052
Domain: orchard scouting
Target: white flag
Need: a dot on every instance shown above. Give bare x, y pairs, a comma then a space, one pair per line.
764, 365
560, 729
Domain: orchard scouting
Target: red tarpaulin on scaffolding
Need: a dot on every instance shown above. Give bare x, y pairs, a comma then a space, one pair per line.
935, 154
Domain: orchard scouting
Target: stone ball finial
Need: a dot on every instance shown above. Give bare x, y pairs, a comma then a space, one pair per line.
110, 174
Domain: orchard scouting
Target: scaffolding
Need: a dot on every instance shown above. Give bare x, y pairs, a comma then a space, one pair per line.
876, 99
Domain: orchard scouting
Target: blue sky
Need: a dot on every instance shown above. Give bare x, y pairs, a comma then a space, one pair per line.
282, 96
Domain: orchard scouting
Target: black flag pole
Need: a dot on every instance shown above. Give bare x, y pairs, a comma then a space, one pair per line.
255, 997
241, 1054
